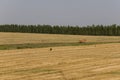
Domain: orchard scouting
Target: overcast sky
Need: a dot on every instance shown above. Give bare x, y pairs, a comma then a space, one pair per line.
60, 12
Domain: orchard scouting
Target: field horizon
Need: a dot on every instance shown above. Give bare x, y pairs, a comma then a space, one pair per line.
21, 38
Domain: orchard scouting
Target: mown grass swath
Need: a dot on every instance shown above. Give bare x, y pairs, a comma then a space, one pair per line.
42, 45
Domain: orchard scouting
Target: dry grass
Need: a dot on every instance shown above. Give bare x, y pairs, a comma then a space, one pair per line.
91, 62
21, 38
62, 63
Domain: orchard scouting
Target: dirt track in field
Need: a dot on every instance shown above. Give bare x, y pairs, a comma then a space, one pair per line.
100, 62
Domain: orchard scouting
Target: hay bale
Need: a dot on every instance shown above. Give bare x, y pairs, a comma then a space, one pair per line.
50, 49
82, 41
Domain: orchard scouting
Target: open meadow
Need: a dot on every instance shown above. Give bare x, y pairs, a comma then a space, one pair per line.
89, 62
21, 38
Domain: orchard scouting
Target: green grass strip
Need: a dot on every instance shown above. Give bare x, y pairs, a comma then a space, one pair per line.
42, 45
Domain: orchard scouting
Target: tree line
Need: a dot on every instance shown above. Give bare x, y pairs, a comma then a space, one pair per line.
109, 30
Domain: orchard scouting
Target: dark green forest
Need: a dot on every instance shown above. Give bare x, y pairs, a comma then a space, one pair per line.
106, 30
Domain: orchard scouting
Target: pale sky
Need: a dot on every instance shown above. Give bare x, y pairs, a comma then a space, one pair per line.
60, 12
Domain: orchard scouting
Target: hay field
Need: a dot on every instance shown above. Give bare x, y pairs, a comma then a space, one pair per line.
63, 63
90, 62
21, 38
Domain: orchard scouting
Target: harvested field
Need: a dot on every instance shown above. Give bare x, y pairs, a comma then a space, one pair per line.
22, 38
100, 62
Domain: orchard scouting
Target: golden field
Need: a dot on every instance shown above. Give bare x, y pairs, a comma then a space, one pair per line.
90, 62
21, 38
